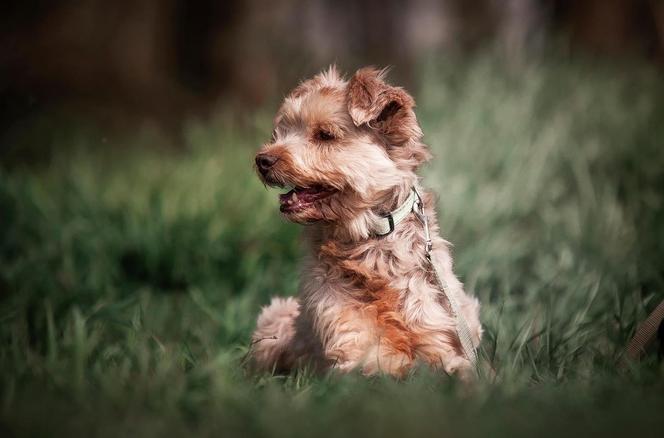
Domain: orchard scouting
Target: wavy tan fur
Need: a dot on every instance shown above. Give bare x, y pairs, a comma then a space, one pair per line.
365, 302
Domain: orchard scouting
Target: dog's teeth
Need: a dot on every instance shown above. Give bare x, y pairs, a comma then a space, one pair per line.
294, 197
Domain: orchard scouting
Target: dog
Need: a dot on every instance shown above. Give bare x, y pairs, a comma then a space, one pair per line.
347, 151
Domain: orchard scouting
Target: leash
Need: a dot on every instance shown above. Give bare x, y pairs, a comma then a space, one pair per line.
463, 332
415, 205
645, 333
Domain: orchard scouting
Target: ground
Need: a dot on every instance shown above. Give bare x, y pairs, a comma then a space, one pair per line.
131, 274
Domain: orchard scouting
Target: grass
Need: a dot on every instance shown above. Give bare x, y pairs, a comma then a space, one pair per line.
131, 277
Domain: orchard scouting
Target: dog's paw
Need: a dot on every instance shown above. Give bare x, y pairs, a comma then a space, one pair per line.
460, 367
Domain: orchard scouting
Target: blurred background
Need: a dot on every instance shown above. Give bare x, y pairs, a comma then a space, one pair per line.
137, 245
165, 60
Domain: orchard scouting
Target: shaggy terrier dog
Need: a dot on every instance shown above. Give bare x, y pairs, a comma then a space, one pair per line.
369, 298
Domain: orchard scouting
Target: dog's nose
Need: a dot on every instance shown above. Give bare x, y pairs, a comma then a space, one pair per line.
264, 162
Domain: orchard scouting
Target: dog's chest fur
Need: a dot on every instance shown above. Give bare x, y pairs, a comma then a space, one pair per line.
377, 293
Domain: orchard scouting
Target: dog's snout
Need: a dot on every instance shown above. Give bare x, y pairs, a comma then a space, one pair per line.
264, 162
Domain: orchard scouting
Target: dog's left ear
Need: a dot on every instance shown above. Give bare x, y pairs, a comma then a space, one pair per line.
381, 106
388, 110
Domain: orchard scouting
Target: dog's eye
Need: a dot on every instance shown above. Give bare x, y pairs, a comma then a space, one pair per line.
324, 135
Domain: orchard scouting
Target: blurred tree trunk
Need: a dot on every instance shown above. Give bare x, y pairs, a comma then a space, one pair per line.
657, 7
607, 26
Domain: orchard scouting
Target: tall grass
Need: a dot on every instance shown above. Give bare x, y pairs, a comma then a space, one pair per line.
132, 279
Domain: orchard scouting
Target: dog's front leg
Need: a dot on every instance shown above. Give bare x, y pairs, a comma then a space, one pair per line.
347, 339
354, 341
272, 341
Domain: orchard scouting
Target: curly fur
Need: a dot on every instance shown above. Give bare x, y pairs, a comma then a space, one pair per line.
365, 302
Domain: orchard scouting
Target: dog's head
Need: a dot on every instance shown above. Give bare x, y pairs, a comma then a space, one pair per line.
346, 150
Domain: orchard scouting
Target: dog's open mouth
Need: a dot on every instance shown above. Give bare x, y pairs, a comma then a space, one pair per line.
301, 198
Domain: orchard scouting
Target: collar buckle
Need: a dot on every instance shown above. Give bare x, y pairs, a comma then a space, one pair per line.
388, 222
418, 209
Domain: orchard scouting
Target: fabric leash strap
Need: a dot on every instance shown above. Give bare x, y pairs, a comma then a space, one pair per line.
386, 225
645, 333
462, 329
461, 326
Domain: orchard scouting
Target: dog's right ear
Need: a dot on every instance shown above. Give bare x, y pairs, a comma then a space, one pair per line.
381, 106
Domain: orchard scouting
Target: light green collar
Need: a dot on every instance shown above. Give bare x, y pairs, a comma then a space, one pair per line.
386, 224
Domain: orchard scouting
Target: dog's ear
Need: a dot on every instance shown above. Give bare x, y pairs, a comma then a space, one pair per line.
389, 110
